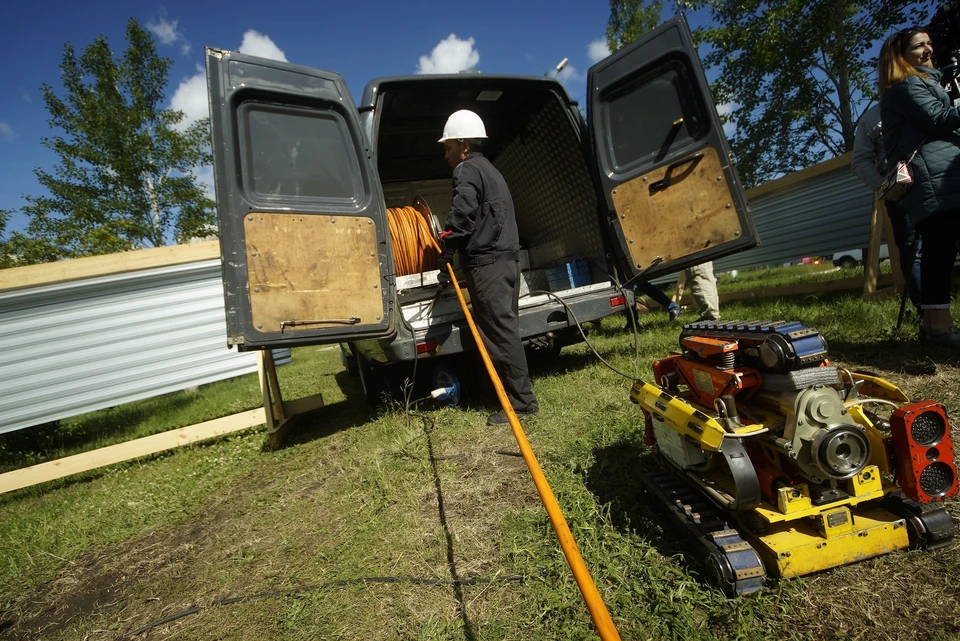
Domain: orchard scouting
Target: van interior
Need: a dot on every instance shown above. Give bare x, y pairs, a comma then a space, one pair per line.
533, 140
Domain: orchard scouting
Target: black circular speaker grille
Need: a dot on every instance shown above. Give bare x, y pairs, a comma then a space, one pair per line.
936, 479
928, 429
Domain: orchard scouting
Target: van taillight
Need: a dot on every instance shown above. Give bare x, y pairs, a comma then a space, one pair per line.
426, 346
617, 301
924, 451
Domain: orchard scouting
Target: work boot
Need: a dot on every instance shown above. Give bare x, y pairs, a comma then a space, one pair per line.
500, 418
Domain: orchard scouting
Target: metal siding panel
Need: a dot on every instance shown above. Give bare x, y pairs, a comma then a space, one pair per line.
818, 216
75, 347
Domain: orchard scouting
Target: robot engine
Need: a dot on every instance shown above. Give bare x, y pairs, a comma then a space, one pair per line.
775, 459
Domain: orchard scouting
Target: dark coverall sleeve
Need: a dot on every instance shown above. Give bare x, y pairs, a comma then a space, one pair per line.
462, 218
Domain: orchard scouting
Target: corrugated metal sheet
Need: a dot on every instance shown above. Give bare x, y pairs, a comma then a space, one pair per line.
74, 347
815, 217
817, 212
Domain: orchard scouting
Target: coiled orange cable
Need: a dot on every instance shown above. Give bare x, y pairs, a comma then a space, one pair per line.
413, 242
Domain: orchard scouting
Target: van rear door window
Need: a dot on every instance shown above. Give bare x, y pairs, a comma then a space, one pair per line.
299, 153
651, 114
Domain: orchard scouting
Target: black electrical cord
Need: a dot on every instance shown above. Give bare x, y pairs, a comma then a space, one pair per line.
311, 588
583, 333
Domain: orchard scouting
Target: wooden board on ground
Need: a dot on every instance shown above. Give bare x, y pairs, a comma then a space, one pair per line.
113, 454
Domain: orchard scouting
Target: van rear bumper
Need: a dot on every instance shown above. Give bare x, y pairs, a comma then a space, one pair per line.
454, 337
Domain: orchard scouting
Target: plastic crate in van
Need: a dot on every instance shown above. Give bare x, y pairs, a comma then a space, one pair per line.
573, 273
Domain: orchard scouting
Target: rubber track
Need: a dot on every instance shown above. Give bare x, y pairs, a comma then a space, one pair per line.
732, 564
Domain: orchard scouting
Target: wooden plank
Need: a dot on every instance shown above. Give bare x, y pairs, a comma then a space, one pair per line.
871, 262
312, 267
91, 266
799, 176
303, 405
694, 212
882, 293
800, 289
898, 279
112, 454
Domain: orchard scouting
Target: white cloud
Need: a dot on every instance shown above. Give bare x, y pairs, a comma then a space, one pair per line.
571, 79
166, 31
450, 56
204, 176
730, 127
24, 96
191, 98
597, 50
191, 95
7, 132
258, 44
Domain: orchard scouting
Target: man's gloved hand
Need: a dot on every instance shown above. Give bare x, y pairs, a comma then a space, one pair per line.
446, 258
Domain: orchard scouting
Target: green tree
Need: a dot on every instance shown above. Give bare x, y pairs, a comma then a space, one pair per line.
795, 75
124, 180
630, 19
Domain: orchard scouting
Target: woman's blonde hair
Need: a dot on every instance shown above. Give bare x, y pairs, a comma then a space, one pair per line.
893, 66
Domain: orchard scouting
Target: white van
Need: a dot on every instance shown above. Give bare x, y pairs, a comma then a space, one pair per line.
304, 180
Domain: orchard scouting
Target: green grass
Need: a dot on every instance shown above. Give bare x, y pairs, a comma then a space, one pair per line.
371, 493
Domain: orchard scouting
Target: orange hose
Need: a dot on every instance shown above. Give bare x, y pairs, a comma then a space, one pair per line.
598, 609
411, 241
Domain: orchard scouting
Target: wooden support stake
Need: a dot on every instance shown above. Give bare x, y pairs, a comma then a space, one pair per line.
898, 280
871, 262
277, 412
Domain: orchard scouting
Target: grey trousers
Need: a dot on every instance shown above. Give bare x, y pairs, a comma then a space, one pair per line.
703, 286
495, 295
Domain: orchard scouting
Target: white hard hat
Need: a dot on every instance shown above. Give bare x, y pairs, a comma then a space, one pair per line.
463, 124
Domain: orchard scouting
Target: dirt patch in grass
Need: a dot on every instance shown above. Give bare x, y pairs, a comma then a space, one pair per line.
99, 585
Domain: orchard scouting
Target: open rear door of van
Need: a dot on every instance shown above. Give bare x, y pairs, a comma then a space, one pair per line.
304, 236
662, 157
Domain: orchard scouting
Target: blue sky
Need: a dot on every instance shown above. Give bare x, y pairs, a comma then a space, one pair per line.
359, 40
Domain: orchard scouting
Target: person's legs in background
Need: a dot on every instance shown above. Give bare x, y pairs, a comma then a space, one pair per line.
904, 235
703, 286
658, 297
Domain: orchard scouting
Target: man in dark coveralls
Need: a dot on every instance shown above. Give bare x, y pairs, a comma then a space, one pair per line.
482, 226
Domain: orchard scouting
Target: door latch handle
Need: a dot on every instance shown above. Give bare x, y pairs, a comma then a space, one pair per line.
667, 179
353, 320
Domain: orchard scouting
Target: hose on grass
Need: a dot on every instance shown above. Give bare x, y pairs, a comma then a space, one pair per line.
591, 596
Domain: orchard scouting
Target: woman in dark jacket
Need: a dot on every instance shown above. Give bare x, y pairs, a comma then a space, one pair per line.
917, 117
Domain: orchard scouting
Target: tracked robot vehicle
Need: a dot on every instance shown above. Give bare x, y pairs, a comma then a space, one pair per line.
775, 461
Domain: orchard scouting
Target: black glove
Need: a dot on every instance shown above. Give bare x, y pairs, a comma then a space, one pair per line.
446, 258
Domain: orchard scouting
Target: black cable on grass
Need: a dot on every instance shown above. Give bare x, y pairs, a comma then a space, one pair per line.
513, 578
584, 334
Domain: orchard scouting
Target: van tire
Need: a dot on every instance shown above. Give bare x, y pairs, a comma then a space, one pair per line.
847, 262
